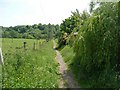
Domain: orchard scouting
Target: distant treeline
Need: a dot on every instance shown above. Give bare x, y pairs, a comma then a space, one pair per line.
37, 31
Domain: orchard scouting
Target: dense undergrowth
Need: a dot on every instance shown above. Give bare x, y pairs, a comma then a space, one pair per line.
72, 62
96, 46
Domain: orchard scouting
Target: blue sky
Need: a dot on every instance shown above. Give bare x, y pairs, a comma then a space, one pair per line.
28, 12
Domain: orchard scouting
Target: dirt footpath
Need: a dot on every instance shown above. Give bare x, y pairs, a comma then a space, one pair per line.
67, 80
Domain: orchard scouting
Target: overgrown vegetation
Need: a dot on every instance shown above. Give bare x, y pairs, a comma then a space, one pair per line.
95, 39
68, 54
89, 43
29, 68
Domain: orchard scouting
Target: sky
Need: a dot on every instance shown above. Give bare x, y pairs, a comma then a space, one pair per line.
29, 12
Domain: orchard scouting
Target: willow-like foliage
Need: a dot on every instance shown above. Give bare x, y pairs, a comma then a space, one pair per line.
97, 47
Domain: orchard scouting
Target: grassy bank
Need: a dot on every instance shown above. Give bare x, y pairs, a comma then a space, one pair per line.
68, 56
73, 65
29, 68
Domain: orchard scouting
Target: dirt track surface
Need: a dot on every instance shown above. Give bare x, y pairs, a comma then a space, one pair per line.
67, 80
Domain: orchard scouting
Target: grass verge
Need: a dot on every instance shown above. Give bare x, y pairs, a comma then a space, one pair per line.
68, 56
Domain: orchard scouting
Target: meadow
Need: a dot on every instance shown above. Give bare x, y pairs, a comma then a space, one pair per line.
32, 67
89, 42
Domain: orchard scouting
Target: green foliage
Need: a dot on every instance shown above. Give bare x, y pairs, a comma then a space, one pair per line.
31, 31
68, 54
95, 60
96, 48
70, 23
68, 26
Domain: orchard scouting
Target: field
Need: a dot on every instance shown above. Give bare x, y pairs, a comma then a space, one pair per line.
32, 67
80, 51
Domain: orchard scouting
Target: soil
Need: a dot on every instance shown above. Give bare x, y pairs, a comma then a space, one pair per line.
67, 77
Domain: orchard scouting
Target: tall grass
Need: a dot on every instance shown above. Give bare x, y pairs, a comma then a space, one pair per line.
29, 68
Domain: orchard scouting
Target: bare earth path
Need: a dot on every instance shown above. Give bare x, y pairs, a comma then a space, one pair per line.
66, 80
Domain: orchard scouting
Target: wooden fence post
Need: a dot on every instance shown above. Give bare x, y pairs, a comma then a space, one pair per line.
1, 57
24, 45
34, 46
39, 44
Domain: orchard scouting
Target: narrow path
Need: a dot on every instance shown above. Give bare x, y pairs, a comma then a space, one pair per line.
67, 80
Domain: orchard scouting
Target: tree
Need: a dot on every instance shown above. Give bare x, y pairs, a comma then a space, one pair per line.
97, 46
68, 27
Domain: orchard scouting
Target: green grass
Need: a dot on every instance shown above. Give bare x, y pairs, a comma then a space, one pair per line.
68, 56
0, 76
12, 44
73, 65
29, 68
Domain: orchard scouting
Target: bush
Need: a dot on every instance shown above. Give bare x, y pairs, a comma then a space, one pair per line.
97, 48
